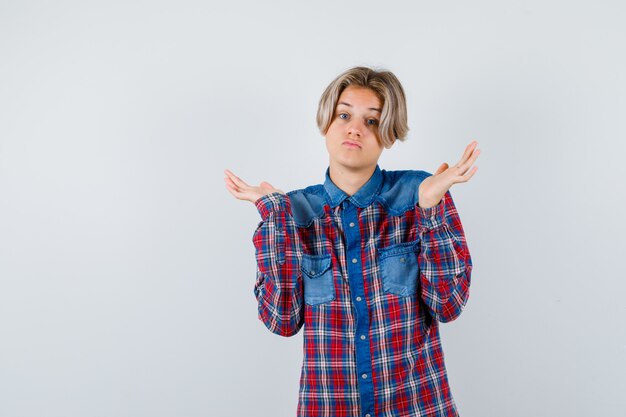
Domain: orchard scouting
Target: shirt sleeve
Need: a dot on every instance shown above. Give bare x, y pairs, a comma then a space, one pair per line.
278, 286
444, 260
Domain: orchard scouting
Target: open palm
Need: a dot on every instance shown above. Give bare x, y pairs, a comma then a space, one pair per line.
243, 191
433, 188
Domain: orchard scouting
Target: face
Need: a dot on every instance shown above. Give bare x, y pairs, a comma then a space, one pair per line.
352, 139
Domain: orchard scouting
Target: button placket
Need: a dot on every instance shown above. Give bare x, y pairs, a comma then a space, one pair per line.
353, 256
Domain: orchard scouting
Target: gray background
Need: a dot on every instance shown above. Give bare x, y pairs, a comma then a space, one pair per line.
127, 268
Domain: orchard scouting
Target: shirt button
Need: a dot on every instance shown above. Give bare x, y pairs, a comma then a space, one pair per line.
353, 260
362, 337
351, 224
312, 272
367, 415
358, 298
401, 259
364, 376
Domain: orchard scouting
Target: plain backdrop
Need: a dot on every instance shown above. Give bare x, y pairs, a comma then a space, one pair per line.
127, 268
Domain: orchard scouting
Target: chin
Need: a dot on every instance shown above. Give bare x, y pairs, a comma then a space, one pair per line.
352, 163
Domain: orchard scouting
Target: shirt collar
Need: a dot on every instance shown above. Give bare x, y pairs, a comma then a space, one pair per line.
362, 198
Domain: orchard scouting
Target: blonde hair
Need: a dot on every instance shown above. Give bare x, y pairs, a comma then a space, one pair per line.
393, 120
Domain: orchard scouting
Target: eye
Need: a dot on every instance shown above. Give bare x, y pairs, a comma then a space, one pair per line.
374, 121
341, 114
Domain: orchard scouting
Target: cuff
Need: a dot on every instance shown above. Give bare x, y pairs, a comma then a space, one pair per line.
275, 201
431, 217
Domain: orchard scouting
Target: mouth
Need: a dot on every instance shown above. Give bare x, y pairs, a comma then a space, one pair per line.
350, 144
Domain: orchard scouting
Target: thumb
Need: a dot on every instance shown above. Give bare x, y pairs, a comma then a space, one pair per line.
441, 168
267, 187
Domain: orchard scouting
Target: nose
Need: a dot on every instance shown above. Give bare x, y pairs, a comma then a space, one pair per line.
354, 129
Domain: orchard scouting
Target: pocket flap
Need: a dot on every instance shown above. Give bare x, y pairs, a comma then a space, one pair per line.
398, 249
315, 265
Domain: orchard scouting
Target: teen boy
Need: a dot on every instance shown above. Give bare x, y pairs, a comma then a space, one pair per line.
369, 262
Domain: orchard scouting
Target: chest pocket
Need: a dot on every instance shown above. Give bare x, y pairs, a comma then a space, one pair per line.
317, 276
399, 268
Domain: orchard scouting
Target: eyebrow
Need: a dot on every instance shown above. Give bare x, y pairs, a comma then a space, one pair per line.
350, 105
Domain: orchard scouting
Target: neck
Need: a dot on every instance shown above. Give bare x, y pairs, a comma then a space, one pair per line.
348, 179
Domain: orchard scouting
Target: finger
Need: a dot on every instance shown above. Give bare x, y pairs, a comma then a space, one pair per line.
236, 190
232, 176
469, 175
229, 182
232, 188
462, 168
238, 181
468, 151
238, 194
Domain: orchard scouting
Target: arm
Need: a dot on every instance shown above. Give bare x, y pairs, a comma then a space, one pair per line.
444, 260
278, 287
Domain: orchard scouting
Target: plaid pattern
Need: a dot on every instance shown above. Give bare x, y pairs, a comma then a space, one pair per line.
368, 277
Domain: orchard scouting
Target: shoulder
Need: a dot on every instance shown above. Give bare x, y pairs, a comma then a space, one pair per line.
307, 204
399, 191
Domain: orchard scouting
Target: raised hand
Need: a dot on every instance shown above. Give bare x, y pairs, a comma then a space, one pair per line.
433, 188
242, 191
